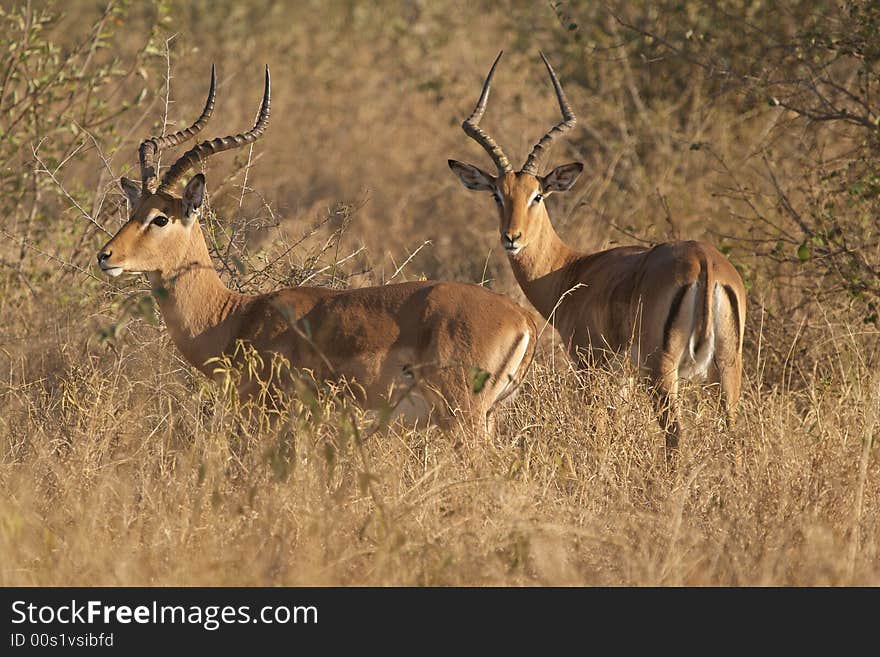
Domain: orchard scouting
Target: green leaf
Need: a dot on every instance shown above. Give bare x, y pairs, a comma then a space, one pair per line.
478, 378
803, 252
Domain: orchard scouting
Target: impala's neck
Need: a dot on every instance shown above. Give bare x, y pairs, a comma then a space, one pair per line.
541, 267
201, 313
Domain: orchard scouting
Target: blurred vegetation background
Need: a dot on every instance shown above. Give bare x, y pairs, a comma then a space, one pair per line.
753, 125
748, 124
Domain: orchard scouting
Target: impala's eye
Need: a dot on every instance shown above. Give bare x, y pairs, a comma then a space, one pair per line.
160, 220
537, 198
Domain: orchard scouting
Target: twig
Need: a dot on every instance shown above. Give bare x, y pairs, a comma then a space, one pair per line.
60, 186
50, 256
330, 266
167, 93
409, 258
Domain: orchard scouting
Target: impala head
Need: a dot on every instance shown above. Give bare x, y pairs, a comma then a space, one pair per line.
162, 223
519, 195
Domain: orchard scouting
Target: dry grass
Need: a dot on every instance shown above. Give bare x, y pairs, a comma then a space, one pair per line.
120, 465
128, 470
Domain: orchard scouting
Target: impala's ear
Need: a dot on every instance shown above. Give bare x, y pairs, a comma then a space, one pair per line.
472, 177
131, 189
561, 178
193, 197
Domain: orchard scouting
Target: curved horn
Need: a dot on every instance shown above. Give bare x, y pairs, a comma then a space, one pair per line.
207, 148
567, 123
151, 147
472, 127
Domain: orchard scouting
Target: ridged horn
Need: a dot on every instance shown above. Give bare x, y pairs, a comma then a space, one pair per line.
567, 123
150, 148
207, 148
472, 127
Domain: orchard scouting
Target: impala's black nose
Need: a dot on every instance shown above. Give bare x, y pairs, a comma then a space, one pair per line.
104, 255
509, 241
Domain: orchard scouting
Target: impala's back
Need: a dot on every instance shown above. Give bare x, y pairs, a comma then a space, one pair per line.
426, 341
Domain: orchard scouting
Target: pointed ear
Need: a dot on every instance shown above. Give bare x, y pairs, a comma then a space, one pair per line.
131, 189
562, 178
193, 197
472, 177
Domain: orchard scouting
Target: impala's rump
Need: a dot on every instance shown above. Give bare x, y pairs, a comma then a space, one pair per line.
690, 317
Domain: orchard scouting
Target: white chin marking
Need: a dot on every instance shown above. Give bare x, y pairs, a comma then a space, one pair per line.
113, 271
514, 250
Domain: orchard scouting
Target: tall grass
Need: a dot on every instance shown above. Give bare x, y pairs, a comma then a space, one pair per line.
128, 470
119, 464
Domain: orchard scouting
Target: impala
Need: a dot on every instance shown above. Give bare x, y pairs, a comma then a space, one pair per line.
677, 309
426, 339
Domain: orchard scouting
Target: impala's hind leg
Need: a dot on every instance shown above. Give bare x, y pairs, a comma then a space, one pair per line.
728, 358
730, 378
488, 425
663, 374
728, 373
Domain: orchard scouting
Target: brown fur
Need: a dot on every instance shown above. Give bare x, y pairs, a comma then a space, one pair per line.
421, 338
622, 299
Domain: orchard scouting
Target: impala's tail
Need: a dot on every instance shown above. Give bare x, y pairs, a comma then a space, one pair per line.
702, 339
690, 326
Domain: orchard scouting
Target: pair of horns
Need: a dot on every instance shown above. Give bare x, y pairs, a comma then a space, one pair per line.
472, 127
151, 147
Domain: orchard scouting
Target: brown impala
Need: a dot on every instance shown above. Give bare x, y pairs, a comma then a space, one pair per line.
677, 308
426, 338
